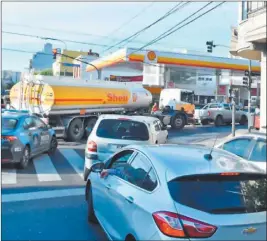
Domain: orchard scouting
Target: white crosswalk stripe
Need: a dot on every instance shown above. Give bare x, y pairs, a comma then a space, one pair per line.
9, 177
75, 160
46, 171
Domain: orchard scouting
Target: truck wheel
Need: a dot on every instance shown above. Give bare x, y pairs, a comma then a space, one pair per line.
243, 120
178, 122
204, 122
75, 130
219, 121
89, 124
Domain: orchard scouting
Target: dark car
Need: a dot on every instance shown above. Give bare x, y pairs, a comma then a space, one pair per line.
25, 136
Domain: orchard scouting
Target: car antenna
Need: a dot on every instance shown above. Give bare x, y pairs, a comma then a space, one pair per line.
208, 157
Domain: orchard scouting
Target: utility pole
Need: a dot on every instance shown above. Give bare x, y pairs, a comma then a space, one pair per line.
232, 96
249, 87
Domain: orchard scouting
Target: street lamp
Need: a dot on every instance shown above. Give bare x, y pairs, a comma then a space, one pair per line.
55, 39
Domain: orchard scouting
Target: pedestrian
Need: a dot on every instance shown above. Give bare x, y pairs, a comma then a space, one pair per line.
155, 108
257, 110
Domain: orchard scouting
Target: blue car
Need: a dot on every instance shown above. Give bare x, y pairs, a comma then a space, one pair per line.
25, 136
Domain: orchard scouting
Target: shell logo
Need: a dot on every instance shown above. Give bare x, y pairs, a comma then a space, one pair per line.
151, 55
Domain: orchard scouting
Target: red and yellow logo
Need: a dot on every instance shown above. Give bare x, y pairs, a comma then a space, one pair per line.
151, 55
117, 98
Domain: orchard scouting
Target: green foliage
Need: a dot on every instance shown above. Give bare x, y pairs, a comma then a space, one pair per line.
48, 72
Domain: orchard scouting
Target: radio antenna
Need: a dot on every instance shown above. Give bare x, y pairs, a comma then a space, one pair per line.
209, 156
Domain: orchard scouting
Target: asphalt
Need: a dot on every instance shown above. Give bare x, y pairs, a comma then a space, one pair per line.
46, 201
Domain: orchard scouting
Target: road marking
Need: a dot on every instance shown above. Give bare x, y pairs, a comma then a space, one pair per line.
45, 170
18, 197
9, 177
76, 161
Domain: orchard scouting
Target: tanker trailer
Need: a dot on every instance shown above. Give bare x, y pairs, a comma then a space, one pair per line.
71, 106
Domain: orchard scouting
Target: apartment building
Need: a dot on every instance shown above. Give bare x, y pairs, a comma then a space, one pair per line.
249, 41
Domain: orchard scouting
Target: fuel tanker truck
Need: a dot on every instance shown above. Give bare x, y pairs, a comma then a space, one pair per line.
71, 106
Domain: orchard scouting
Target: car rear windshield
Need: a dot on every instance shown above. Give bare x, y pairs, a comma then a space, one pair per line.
9, 123
122, 129
217, 194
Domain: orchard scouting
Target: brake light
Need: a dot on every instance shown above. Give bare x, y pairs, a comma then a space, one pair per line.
208, 113
230, 174
9, 138
179, 226
92, 146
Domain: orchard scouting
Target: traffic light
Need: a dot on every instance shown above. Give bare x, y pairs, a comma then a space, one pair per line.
54, 53
209, 46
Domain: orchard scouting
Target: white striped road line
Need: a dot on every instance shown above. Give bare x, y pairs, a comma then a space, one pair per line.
45, 170
75, 160
9, 176
19, 197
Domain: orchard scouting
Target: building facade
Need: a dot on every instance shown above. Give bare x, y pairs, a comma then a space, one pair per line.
43, 59
249, 41
63, 66
9, 78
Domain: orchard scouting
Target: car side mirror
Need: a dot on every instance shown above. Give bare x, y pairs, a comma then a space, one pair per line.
97, 167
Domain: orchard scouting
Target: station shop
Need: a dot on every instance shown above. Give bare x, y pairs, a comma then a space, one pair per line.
209, 77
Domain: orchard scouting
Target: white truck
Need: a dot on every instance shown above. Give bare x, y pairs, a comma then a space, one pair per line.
219, 114
72, 106
176, 107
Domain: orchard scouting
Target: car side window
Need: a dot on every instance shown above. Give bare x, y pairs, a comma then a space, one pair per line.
259, 151
213, 106
238, 147
141, 174
156, 126
120, 160
226, 107
28, 123
39, 123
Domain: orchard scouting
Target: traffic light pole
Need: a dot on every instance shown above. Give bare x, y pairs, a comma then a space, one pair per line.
233, 111
249, 87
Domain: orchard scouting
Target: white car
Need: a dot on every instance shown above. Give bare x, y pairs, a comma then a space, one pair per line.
250, 146
112, 132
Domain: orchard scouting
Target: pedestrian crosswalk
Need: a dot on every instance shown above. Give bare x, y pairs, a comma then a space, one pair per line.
66, 165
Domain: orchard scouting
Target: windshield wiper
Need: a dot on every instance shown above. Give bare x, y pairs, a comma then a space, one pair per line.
132, 138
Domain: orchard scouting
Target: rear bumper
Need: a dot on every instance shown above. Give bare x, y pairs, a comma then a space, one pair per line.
11, 156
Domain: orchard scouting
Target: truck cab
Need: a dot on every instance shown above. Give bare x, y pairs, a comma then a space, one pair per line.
176, 107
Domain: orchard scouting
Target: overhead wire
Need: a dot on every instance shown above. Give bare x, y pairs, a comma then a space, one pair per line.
167, 14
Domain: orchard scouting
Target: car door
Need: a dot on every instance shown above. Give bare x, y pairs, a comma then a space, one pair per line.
31, 133
43, 131
239, 146
130, 199
103, 194
227, 113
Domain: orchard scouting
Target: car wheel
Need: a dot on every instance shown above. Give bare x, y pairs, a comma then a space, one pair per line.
204, 122
219, 121
178, 122
90, 213
24, 161
89, 124
53, 146
244, 120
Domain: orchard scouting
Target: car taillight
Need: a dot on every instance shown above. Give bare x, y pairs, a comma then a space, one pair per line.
9, 138
208, 113
179, 226
92, 146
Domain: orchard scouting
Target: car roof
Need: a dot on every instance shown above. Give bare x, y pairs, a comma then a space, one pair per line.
190, 160
146, 119
14, 115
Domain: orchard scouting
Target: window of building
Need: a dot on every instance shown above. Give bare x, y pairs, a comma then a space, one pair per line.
244, 10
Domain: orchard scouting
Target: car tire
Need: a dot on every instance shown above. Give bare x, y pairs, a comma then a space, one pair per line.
89, 124
243, 120
219, 121
53, 146
178, 122
90, 205
25, 159
204, 122
75, 130
86, 172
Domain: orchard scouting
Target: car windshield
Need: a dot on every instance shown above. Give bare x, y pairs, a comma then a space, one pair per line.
122, 129
217, 194
9, 123
187, 96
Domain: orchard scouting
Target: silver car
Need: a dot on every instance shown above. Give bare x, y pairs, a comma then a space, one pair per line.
250, 146
171, 192
112, 132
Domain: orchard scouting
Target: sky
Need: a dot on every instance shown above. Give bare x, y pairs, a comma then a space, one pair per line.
97, 22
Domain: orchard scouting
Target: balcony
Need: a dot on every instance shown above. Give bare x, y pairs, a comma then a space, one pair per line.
250, 32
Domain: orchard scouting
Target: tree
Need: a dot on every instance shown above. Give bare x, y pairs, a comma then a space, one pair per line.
48, 72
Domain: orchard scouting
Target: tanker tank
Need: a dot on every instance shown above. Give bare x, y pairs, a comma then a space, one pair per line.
64, 95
